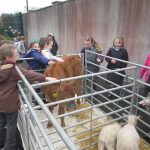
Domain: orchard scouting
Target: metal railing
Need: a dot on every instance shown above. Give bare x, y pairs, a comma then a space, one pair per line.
100, 107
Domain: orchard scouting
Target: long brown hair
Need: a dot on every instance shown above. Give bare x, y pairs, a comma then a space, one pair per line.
44, 41
94, 43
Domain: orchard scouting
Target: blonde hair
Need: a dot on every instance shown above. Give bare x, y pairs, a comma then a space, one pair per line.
121, 41
6, 50
94, 43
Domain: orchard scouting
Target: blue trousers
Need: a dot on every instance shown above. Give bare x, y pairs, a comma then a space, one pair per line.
9, 120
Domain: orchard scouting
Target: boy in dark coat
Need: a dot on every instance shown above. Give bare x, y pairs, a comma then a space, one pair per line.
9, 101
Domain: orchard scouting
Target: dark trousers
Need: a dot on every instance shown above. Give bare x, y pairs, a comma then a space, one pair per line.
115, 78
146, 88
8, 128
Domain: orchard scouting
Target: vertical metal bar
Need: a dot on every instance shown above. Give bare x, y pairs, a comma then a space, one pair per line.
27, 6
132, 110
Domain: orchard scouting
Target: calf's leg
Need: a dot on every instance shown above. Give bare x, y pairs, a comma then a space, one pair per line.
60, 112
51, 108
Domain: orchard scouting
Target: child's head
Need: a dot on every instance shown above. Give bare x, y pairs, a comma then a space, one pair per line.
46, 43
35, 46
8, 52
118, 42
6, 42
88, 42
23, 38
31, 45
50, 35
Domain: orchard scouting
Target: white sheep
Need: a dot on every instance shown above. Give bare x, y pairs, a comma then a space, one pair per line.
108, 137
127, 137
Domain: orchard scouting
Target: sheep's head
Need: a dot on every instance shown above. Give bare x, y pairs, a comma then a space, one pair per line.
132, 119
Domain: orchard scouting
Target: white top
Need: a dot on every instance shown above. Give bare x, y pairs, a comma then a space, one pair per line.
47, 53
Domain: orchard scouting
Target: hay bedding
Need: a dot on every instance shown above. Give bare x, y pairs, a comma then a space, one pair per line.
80, 116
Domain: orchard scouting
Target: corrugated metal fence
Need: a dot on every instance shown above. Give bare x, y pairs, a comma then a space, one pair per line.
71, 21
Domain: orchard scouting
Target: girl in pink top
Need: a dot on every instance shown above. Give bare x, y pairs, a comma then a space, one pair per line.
146, 72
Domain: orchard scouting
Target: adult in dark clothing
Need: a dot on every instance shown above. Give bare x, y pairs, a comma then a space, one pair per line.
117, 51
54, 49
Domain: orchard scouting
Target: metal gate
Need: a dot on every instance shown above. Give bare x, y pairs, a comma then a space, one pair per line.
100, 106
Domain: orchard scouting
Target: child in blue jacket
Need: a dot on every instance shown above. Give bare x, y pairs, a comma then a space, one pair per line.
39, 61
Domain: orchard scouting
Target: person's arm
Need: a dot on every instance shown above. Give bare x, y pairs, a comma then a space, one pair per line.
47, 54
51, 57
145, 102
99, 59
58, 59
108, 54
126, 58
39, 57
35, 76
143, 70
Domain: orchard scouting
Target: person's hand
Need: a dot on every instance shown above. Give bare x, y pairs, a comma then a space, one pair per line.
51, 62
113, 61
50, 79
58, 59
98, 60
142, 103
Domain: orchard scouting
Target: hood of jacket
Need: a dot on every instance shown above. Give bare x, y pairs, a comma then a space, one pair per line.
5, 71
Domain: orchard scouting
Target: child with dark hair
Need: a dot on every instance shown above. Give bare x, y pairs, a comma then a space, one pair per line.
45, 46
9, 101
39, 61
54, 48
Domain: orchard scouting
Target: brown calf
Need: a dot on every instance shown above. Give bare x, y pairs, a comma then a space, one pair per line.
71, 67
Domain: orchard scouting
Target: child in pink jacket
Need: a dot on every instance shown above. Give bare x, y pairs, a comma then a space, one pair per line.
146, 72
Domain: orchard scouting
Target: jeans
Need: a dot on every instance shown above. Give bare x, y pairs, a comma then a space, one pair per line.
9, 120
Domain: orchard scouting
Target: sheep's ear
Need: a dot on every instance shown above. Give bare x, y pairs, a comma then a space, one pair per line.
124, 115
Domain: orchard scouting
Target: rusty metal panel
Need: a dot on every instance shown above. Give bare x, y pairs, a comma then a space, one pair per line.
73, 20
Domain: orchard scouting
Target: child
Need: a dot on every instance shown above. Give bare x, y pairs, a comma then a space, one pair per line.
45, 46
54, 48
117, 51
21, 46
146, 72
91, 45
9, 101
39, 61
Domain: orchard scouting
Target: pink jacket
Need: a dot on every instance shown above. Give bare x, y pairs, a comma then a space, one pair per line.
145, 70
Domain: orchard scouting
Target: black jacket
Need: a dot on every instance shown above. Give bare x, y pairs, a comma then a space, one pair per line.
120, 54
